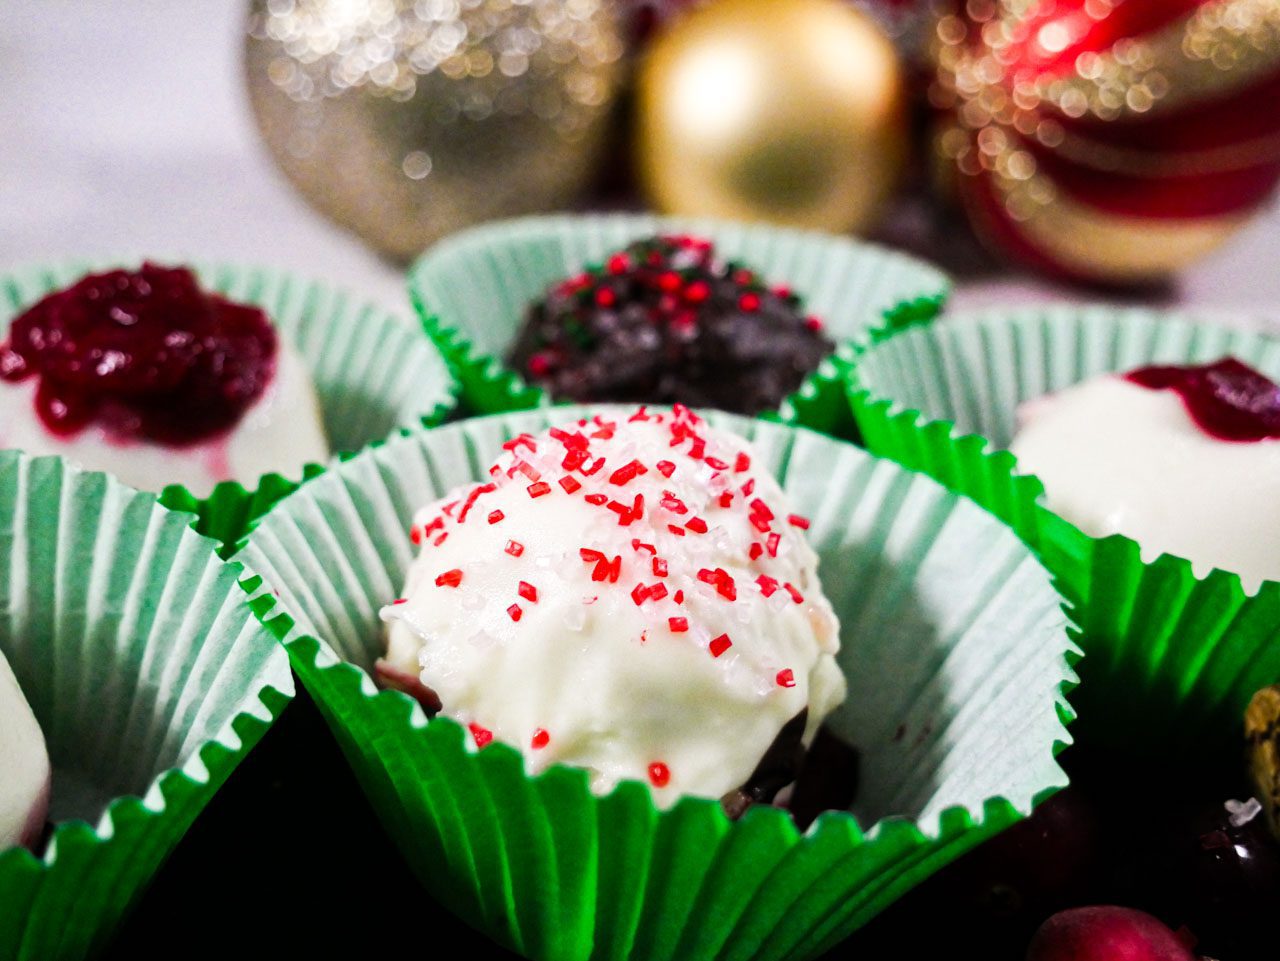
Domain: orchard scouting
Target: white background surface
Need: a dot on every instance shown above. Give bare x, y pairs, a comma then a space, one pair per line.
124, 128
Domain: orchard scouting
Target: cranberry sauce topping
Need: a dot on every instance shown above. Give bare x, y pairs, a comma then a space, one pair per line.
1227, 399
145, 354
667, 321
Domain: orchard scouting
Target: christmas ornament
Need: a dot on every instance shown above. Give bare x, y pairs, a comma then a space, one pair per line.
406, 120
785, 110
1110, 140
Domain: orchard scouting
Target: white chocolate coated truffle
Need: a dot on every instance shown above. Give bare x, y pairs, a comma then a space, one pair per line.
24, 766
281, 432
631, 595
1119, 458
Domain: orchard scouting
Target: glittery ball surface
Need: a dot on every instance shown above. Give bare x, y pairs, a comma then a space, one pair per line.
406, 120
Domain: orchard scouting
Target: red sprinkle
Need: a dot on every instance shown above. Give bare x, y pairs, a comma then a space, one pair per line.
540, 739
521, 440
538, 489
678, 625
514, 548
726, 499
669, 282
659, 774
400, 600
813, 323
697, 525
495, 516
472, 498
665, 468
524, 467
755, 551
659, 567
678, 597
749, 302
618, 264
697, 292
673, 504
415, 535
482, 735
639, 545
786, 678
569, 484
767, 584
795, 594
749, 487
627, 473
627, 515
449, 578
722, 580
795, 520
678, 531
742, 463
605, 569
716, 463
440, 540
528, 592
596, 499
719, 645
514, 612
606, 297
772, 542
654, 592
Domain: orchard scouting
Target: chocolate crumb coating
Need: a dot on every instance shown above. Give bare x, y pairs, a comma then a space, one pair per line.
395, 679
778, 768
827, 781
666, 321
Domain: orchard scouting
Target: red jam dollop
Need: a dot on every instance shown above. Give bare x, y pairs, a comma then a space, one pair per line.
145, 354
1227, 399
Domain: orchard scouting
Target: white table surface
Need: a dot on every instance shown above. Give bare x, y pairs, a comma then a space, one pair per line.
125, 129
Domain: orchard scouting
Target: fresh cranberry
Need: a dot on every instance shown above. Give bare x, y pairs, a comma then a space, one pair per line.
1227, 399
145, 354
1106, 934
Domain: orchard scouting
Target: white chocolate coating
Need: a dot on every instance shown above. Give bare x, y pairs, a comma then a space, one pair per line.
1116, 457
282, 432
24, 766
616, 686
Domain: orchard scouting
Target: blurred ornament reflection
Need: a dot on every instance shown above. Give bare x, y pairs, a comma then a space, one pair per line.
404, 121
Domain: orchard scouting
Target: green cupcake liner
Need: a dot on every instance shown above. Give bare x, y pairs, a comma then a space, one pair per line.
151, 680
373, 370
1172, 659
471, 291
955, 644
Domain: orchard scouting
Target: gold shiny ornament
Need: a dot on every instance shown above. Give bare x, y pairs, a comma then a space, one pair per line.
1262, 735
792, 111
404, 121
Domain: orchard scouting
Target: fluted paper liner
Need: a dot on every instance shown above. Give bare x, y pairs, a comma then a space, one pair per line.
373, 370
151, 680
954, 642
1172, 658
471, 291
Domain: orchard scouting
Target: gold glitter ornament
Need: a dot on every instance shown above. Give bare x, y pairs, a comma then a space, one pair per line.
792, 111
404, 121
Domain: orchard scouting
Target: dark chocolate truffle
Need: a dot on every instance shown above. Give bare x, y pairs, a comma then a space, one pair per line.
667, 321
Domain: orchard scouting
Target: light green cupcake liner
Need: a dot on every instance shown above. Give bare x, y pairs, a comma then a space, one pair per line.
471, 291
954, 642
1172, 659
373, 370
151, 680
